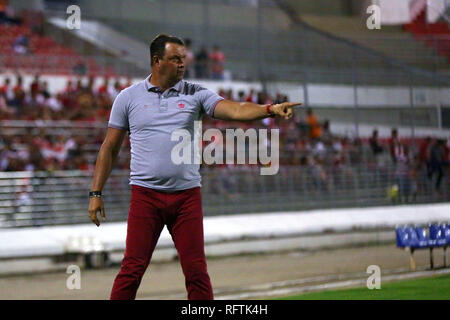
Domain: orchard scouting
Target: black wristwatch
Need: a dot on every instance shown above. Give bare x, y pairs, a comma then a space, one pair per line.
95, 194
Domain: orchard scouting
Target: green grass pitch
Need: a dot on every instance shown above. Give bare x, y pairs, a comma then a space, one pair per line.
430, 288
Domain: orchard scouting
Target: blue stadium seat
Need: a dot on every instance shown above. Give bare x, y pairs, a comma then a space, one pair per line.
403, 239
409, 237
412, 238
437, 234
445, 228
424, 240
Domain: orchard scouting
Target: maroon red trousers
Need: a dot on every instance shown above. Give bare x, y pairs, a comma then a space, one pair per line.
181, 212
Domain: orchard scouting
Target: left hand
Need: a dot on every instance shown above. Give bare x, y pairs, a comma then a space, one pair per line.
284, 109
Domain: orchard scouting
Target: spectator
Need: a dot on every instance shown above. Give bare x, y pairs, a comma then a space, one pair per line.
402, 171
104, 88
115, 90
327, 137
437, 162
395, 146
7, 14
375, 146
79, 68
201, 64
217, 60
34, 87
7, 90
43, 89
252, 96
241, 96
424, 153
21, 44
19, 93
314, 130
127, 84
6, 112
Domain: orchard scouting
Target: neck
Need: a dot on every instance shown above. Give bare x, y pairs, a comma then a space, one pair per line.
162, 82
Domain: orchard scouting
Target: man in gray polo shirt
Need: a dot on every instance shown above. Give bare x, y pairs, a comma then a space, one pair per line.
164, 193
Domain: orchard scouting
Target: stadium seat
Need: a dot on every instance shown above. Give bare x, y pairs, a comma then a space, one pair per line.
446, 231
412, 238
403, 239
438, 235
424, 240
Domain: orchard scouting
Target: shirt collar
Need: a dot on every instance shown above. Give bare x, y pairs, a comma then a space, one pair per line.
150, 87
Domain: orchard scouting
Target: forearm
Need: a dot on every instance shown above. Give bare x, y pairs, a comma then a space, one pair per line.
103, 166
247, 111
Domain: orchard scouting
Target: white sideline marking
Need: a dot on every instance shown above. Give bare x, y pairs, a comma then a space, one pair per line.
277, 288
327, 286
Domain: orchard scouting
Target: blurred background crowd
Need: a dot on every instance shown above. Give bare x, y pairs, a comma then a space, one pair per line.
392, 81
306, 141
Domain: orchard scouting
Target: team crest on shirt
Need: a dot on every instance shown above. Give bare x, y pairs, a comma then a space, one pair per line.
181, 105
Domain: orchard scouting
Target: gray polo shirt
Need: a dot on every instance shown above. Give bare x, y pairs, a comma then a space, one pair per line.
151, 116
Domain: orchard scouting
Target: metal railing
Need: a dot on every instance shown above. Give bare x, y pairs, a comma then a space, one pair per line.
55, 198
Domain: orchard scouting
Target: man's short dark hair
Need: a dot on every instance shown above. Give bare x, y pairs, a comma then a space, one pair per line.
158, 45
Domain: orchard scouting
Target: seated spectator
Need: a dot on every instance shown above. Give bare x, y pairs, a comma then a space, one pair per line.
79, 68
21, 44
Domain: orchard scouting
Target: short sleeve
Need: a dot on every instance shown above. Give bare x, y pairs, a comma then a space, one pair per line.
118, 118
208, 101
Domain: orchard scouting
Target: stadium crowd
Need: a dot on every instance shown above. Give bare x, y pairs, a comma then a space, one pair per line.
304, 142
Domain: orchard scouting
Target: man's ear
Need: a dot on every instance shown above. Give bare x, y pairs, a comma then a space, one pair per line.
155, 60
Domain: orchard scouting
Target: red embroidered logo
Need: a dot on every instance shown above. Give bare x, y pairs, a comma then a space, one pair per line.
181, 105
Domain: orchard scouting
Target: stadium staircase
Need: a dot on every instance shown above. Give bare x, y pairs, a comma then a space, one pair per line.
46, 56
125, 53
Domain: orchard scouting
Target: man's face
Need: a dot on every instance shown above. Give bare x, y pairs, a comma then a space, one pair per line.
172, 65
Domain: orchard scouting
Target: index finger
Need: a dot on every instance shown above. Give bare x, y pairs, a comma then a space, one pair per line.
291, 104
